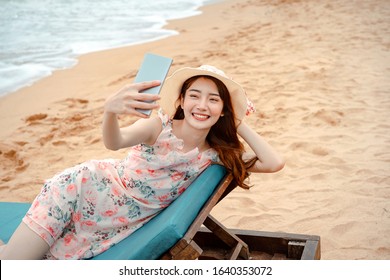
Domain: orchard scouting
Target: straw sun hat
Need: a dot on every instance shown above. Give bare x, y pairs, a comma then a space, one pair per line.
171, 89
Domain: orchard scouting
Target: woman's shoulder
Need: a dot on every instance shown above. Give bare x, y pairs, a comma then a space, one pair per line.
156, 124
152, 126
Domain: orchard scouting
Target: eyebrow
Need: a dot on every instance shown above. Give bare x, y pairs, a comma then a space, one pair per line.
197, 90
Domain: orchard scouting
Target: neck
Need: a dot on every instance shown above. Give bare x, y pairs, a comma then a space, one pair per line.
192, 138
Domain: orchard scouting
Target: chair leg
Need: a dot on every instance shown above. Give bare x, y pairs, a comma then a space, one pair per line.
237, 251
191, 252
240, 248
183, 250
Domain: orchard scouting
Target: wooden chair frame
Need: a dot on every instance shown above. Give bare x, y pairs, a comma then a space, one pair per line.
237, 244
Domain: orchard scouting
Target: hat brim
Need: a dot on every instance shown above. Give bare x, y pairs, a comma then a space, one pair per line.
170, 90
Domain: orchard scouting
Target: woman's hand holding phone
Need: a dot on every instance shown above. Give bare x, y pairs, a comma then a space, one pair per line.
130, 99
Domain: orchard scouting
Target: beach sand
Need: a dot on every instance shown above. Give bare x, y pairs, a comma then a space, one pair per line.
318, 73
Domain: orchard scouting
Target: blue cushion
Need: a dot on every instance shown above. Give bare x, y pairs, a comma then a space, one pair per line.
11, 214
155, 237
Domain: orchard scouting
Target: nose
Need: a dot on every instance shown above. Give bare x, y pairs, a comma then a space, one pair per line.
202, 104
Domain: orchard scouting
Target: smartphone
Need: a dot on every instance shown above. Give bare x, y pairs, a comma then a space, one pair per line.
153, 67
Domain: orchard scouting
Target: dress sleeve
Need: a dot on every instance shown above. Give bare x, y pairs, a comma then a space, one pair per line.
163, 117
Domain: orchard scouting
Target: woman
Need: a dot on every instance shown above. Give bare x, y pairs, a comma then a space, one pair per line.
85, 209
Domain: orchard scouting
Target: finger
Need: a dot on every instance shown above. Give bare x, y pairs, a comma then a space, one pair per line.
146, 97
145, 85
139, 114
143, 105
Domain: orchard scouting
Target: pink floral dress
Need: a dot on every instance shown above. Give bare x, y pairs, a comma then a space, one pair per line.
88, 208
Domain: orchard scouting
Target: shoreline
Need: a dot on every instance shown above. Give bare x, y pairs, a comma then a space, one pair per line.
69, 48
319, 78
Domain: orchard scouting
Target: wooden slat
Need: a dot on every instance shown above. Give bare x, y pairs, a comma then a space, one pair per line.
227, 237
312, 250
295, 249
191, 252
220, 231
271, 243
236, 252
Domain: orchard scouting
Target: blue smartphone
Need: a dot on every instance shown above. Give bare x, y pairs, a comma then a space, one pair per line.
153, 67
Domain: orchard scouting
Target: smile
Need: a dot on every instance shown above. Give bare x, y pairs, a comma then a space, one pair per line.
200, 117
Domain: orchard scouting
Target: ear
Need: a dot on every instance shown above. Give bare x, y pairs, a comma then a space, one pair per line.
182, 102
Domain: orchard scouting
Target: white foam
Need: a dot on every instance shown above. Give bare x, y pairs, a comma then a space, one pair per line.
13, 77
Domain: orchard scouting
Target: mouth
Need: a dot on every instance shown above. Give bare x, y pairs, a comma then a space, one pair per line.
200, 117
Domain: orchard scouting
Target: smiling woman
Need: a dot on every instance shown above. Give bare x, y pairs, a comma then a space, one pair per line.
69, 218
200, 96
202, 101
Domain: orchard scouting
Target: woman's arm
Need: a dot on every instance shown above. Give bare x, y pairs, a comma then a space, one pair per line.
126, 101
268, 159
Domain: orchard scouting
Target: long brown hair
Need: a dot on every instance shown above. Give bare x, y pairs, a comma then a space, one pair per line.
223, 134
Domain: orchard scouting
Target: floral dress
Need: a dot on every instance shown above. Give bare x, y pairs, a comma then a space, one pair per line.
88, 208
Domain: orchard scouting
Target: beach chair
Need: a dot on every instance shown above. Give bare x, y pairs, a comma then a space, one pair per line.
186, 230
207, 238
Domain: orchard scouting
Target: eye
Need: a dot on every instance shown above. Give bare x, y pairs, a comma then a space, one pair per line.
193, 95
215, 99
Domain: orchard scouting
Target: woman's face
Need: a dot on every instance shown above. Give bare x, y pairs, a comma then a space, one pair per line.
202, 104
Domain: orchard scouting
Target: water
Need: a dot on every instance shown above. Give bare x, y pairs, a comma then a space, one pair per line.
40, 36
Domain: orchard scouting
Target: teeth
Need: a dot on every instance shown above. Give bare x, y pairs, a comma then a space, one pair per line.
200, 116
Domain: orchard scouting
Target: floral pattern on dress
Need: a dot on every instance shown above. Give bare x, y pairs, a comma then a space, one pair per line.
86, 209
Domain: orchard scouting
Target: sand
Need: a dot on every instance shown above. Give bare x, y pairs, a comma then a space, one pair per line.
319, 75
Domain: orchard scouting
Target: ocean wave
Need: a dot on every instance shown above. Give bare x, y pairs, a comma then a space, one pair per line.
37, 39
